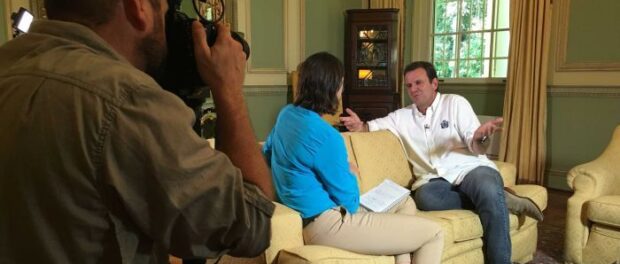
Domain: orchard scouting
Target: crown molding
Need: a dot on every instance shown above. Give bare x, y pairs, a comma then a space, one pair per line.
592, 91
293, 43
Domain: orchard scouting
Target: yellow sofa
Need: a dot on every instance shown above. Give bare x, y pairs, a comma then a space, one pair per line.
380, 155
593, 212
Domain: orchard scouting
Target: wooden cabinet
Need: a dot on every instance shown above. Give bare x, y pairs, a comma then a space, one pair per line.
371, 62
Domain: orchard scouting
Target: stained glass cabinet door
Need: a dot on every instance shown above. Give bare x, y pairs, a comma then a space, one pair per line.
371, 62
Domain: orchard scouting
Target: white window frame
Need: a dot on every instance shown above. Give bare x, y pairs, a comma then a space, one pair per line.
423, 37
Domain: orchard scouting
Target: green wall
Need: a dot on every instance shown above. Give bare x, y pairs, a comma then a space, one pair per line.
579, 126
593, 34
264, 104
267, 45
324, 31
325, 25
484, 99
578, 123
267, 34
581, 118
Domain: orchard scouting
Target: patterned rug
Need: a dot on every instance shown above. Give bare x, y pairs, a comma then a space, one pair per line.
550, 249
550, 245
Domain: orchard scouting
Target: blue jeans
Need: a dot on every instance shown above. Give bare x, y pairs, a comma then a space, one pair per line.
482, 190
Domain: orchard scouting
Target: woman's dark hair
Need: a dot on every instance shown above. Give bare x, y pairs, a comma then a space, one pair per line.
427, 66
320, 77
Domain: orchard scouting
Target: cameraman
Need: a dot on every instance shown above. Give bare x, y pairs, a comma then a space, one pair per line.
98, 164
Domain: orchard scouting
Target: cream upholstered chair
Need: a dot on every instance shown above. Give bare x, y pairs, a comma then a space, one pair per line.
593, 216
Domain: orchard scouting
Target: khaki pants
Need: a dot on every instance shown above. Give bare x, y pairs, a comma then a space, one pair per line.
397, 232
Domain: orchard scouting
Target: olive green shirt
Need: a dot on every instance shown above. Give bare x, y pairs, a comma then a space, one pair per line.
98, 164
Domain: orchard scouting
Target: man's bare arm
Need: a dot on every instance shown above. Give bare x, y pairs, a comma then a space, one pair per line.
222, 66
353, 122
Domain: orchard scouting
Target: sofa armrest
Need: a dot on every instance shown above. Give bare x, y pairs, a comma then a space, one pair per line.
508, 172
286, 231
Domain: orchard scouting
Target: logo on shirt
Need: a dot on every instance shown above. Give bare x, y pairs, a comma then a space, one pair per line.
444, 124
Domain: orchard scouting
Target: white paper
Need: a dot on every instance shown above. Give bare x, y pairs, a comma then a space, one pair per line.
384, 196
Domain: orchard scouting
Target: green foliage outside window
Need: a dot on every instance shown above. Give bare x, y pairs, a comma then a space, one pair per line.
470, 38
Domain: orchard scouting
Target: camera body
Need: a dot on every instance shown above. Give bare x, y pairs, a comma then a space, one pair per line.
180, 75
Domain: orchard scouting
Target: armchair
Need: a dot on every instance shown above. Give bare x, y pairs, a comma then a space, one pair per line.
593, 212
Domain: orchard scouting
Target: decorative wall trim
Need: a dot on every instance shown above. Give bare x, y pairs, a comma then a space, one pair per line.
556, 179
265, 91
248, 28
266, 79
573, 91
294, 32
553, 91
562, 28
473, 84
556, 172
301, 29
472, 88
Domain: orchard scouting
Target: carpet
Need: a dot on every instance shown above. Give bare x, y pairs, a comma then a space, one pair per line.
550, 248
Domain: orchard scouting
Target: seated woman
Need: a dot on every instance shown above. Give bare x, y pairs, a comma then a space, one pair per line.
311, 175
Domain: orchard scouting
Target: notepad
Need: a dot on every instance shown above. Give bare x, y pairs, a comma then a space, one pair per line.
384, 196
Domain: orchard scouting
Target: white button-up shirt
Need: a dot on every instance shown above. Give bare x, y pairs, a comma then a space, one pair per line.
437, 144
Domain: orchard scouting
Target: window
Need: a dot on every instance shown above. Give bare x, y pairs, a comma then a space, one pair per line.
471, 38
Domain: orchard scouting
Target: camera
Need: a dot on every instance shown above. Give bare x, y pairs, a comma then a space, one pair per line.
21, 21
180, 75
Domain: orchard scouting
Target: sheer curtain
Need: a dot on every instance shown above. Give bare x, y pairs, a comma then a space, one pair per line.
525, 102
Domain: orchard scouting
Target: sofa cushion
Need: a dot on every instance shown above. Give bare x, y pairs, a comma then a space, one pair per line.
379, 155
464, 225
605, 210
328, 255
508, 172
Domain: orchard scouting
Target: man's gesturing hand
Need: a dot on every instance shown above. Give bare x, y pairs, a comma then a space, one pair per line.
352, 122
483, 132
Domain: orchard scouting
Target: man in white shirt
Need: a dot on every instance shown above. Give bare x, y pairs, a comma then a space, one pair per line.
445, 143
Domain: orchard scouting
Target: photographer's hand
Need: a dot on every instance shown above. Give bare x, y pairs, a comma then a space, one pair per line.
222, 66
